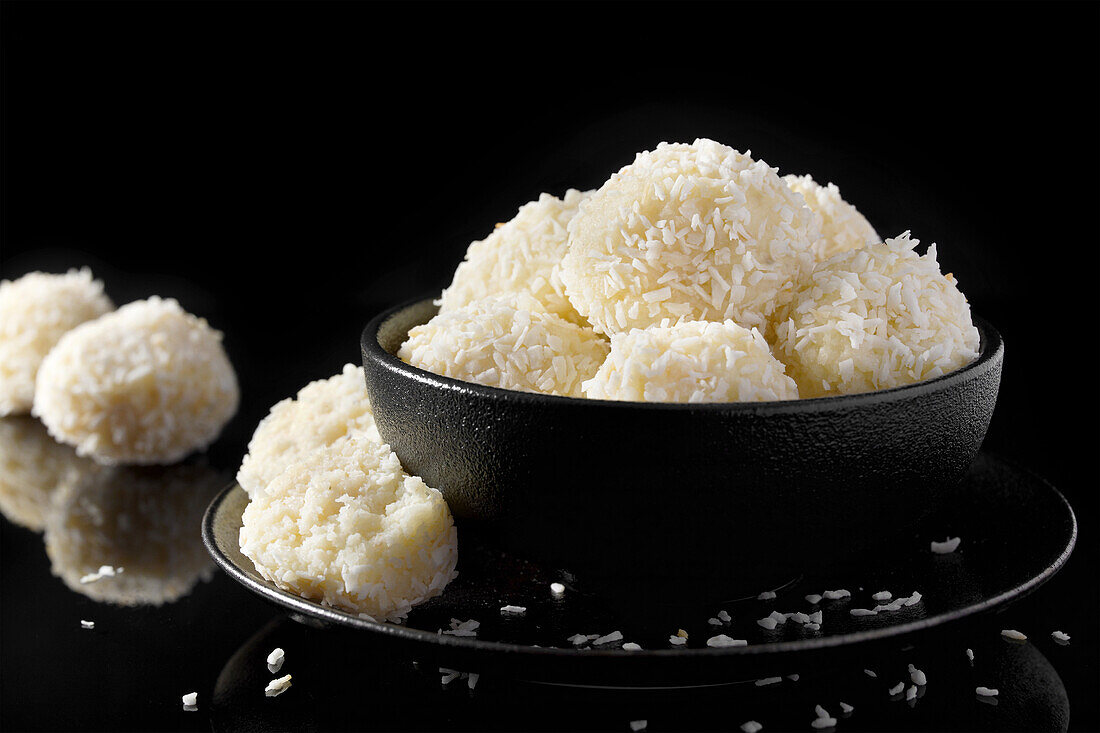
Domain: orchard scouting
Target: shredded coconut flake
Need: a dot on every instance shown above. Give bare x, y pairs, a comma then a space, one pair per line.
277, 686
947, 546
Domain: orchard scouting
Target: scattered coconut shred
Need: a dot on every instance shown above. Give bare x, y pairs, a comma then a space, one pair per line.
947, 546
277, 687
507, 341
36, 310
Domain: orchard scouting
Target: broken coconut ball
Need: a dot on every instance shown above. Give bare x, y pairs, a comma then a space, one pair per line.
347, 527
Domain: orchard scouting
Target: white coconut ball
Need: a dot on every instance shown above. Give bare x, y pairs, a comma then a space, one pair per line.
346, 526
508, 342
33, 468
696, 232
142, 522
35, 311
322, 412
691, 362
148, 383
521, 256
841, 225
877, 317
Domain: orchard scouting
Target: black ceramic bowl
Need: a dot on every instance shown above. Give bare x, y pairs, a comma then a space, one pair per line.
678, 503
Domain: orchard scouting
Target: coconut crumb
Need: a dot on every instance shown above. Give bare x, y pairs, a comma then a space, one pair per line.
723, 641
637, 725
613, 636
751, 726
766, 596
947, 546
557, 589
1059, 636
191, 700
1013, 634
277, 687
513, 610
87, 624
813, 598
917, 676
986, 691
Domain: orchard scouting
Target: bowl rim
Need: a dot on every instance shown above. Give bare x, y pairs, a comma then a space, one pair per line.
990, 354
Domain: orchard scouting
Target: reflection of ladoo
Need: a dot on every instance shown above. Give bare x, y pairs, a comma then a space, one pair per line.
33, 466
143, 519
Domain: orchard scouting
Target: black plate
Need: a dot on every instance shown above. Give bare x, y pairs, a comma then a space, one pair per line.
1017, 531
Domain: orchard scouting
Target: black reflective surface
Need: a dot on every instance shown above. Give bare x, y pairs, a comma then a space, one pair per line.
286, 173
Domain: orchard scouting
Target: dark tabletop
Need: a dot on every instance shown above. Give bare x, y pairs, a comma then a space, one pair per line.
286, 171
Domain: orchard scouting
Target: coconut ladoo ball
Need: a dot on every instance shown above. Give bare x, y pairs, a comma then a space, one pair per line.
141, 522
691, 362
146, 384
322, 412
35, 311
877, 317
347, 527
507, 342
521, 256
696, 232
841, 225
33, 468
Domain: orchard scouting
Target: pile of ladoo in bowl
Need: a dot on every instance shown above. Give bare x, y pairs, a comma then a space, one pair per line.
694, 274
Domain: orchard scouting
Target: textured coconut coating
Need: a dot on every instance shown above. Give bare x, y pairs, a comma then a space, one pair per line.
346, 526
508, 342
142, 521
521, 256
33, 468
696, 232
877, 317
35, 311
691, 362
841, 225
146, 384
323, 412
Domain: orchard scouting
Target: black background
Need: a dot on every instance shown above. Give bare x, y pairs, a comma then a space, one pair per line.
286, 170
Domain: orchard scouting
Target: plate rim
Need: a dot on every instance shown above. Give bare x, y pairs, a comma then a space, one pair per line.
312, 609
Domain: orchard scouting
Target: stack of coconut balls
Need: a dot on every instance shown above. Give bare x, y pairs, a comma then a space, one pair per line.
147, 383
696, 274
